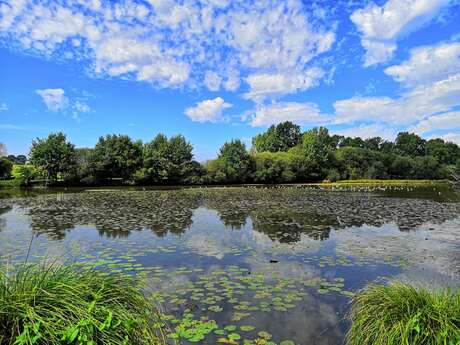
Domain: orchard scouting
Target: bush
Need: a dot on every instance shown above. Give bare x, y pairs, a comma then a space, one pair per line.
74, 305
5, 168
24, 174
402, 314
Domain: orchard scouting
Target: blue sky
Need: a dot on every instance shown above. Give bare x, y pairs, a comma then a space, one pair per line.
214, 70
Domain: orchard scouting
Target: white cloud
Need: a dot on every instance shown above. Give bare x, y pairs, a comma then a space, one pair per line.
367, 131
413, 105
57, 101
269, 85
451, 137
3, 107
210, 110
54, 99
215, 43
300, 113
381, 26
427, 64
450, 120
212, 81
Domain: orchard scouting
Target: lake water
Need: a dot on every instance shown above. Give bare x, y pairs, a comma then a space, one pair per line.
266, 264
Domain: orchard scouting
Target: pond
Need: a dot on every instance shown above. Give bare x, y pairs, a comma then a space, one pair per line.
245, 265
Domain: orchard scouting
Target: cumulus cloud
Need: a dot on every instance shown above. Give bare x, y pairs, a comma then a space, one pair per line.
427, 64
264, 85
301, 113
413, 105
57, 101
451, 137
212, 43
210, 110
381, 26
54, 99
367, 131
450, 121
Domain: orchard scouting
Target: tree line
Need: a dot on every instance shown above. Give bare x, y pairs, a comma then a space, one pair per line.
282, 154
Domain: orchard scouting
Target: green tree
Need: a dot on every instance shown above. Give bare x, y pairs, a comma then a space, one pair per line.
54, 155
317, 149
410, 144
277, 138
19, 159
166, 160
235, 162
116, 156
356, 162
445, 153
402, 167
426, 167
274, 167
6, 166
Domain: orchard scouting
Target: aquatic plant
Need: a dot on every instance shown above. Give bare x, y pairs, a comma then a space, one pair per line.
75, 305
403, 314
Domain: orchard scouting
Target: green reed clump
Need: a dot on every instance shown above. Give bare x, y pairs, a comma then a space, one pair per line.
75, 305
402, 314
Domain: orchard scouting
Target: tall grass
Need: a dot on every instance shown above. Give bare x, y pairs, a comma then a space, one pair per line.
74, 305
399, 314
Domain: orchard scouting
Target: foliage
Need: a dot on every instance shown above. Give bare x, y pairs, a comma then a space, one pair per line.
410, 144
403, 314
281, 137
6, 166
274, 167
74, 305
116, 156
25, 173
236, 165
54, 155
166, 160
19, 159
317, 149
282, 154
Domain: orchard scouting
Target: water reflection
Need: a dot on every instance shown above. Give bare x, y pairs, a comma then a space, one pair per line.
282, 214
284, 261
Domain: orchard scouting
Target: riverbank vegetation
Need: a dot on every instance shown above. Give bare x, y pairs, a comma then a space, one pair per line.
282, 154
403, 314
75, 305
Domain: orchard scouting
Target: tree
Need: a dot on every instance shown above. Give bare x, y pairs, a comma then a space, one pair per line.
316, 146
277, 138
166, 160
445, 153
116, 156
19, 159
402, 167
6, 166
355, 161
54, 155
236, 163
410, 144
274, 167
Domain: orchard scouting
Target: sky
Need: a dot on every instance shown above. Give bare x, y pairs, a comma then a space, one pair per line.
216, 70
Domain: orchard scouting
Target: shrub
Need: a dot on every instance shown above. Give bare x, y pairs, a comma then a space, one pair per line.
74, 305
24, 174
5, 168
403, 314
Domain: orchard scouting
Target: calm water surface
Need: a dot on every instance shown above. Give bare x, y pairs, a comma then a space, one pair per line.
267, 264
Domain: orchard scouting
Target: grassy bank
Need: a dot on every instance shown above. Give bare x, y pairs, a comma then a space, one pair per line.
74, 305
402, 314
390, 182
